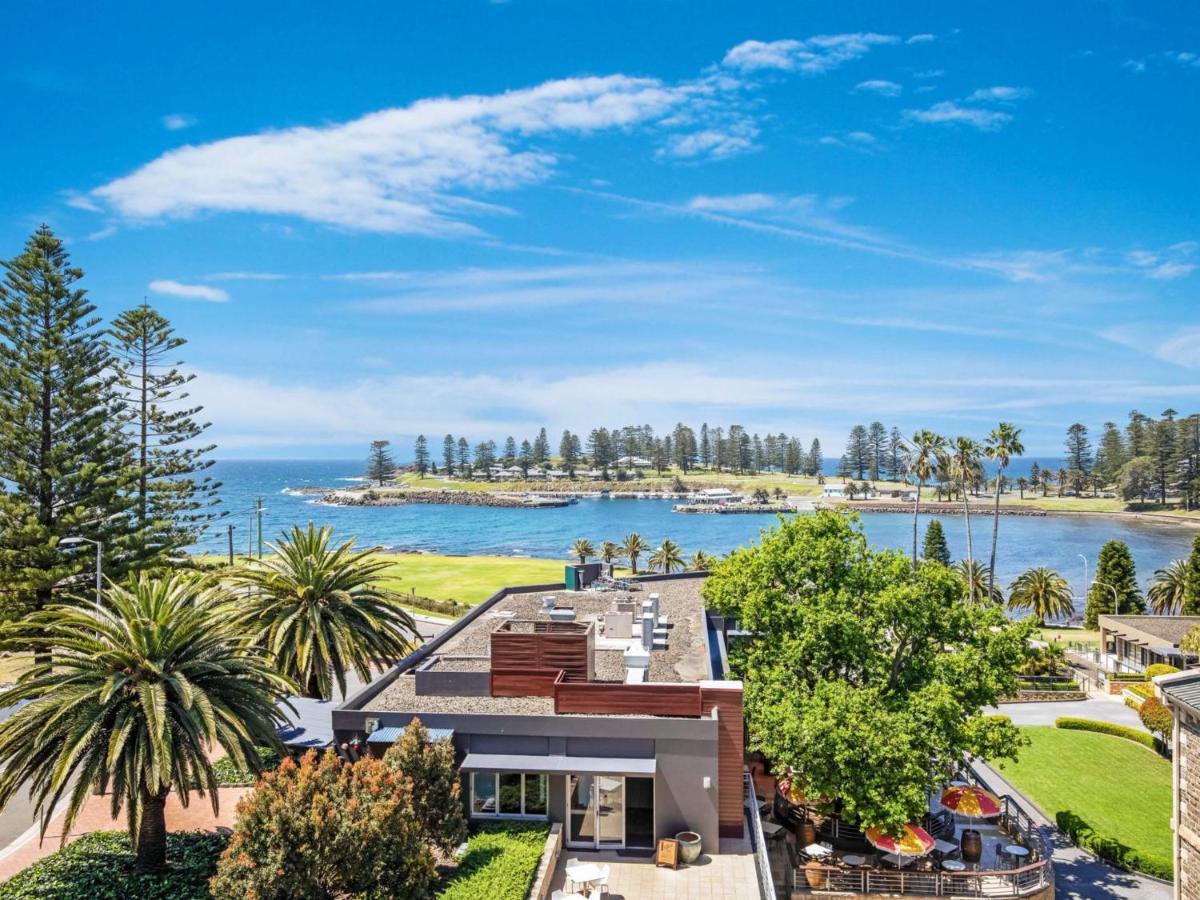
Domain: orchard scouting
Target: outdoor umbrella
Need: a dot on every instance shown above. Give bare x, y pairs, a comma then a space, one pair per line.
912, 841
970, 801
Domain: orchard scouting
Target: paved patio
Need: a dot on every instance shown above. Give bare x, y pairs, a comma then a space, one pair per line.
728, 875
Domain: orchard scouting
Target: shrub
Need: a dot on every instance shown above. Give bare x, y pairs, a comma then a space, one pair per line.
1145, 691
1160, 669
1112, 850
229, 775
1157, 718
101, 865
1121, 731
435, 785
500, 862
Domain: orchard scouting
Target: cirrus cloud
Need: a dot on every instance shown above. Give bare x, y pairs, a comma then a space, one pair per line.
188, 291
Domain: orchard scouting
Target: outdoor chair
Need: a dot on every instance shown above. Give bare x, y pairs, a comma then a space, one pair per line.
570, 864
601, 883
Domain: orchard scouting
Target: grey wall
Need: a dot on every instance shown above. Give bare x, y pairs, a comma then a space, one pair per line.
680, 801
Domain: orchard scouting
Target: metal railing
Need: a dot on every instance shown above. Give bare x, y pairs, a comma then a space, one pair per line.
762, 865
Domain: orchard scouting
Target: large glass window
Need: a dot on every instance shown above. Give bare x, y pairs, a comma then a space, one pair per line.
508, 794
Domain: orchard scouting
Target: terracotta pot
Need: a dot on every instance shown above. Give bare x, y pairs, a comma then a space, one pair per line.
689, 847
972, 845
815, 875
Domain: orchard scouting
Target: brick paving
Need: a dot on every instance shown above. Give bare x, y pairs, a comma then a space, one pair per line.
96, 816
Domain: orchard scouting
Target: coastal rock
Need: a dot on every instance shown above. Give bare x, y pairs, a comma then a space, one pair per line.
453, 498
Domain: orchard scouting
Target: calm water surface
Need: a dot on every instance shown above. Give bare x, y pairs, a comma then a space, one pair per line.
1054, 541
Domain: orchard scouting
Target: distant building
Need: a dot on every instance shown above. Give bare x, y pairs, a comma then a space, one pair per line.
633, 462
833, 491
1131, 643
1181, 694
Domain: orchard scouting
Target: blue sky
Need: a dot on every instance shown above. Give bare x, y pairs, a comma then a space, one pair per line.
485, 217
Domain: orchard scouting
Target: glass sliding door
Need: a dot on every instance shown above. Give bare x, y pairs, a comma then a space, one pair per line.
610, 810
602, 815
581, 811
639, 812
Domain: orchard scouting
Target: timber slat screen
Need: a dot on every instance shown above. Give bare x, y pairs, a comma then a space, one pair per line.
526, 656
730, 755
617, 698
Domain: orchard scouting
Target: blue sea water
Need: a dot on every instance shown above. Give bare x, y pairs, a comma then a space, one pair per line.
1055, 541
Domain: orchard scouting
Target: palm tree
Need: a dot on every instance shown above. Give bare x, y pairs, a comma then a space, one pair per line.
609, 551
321, 609
632, 547
701, 561
964, 464
667, 558
1167, 589
143, 688
921, 459
977, 578
1002, 445
1062, 476
583, 549
1043, 592
1022, 484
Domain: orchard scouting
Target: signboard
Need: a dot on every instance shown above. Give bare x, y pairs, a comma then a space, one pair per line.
668, 853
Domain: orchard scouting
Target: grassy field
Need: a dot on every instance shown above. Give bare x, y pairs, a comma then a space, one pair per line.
1120, 788
1066, 636
796, 486
469, 579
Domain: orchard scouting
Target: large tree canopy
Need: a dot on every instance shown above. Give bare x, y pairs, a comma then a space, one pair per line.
866, 678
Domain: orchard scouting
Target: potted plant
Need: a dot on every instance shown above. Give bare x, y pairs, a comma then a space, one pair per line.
815, 875
689, 847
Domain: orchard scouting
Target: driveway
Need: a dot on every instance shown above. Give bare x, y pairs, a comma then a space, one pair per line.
1114, 711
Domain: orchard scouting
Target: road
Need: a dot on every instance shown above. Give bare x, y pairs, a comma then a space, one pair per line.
1113, 710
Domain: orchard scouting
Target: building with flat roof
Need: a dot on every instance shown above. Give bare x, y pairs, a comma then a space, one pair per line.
1132, 643
605, 709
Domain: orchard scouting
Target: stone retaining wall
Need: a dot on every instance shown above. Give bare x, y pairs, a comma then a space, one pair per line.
1043, 697
545, 869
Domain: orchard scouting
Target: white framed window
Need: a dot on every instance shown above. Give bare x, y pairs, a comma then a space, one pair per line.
509, 795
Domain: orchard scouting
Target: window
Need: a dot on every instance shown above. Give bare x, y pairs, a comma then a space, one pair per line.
508, 795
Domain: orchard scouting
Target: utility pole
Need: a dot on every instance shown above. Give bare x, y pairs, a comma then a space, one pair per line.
230, 526
259, 507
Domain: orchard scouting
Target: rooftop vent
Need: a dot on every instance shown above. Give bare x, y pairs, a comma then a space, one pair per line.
562, 614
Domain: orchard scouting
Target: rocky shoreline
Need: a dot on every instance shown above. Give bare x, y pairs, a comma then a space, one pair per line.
941, 509
454, 498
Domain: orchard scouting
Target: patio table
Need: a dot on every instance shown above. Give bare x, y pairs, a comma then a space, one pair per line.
817, 851
945, 847
1017, 852
583, 874
853, 859
770, 829
954, 865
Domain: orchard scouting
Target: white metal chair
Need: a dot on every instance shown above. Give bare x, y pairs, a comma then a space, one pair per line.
601, 883
570, 864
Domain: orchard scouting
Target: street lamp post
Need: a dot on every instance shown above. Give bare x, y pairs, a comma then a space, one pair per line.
1085, 578
75, 541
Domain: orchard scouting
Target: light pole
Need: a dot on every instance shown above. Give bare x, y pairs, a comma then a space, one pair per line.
1085, 579
75, 541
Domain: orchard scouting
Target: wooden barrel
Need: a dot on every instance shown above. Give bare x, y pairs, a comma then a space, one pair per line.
972, 845
806, 833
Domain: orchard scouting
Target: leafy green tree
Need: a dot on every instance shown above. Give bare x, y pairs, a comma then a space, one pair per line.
1112, 454
815, 459
1190, 604
1156, 718
582, 549
921, 461
464, 458
848, 679
667, 558
856, 461
429, 765
934, 547
1190, 643
1043, 593
1114, 573
541, 448
1002, 445
172, 500
1164, 451
421, 455
64, 458
1079, 448
321, 610
633, 547
448, 454
144, 687
323, 828
380, 465
1168, 589
877, 438
1136, 478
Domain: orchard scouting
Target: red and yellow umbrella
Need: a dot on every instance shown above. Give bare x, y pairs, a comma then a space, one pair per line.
970, 801
912, 841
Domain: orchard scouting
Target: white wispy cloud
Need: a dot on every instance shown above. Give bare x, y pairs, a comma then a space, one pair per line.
921, 39
188, 291
1184, 58
246, 276
861, 141
1001, 93
1167, 264
1181, 347
381, 275
949, 112
814, 55
880, 86
177, 121
1135, 65
398, 170
713, 143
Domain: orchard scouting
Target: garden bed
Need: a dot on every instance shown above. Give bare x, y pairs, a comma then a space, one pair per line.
499, 863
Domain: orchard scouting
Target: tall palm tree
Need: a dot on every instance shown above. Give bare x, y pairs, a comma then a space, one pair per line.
143, 688
1167, 589
921, 461
667, 558
1062, 475
1043, 592
609, 551
1002, 445
583, 549
321, 610
701, 561
632, 547
964, 465
978, 580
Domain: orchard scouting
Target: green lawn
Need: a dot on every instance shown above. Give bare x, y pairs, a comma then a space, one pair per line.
469, 579
1066, 636
1118, 787
796, 486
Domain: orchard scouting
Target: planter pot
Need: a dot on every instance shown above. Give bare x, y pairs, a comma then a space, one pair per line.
689, 847
972, 845
806, 833
815, 875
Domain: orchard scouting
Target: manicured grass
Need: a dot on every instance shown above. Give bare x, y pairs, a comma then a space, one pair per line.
1065, 636
468, 579
499, 863
796, 486
1065, 504
1118, 787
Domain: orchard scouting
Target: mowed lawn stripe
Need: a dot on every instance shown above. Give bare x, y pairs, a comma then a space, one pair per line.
1118, 787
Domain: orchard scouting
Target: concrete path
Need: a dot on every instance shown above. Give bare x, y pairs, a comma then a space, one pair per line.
1114, 711
1077, 874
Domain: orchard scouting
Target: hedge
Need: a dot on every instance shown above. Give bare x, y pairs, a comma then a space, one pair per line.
1112, 850
1121, 731
1051, 686
100, 866
229, 775
1156, 669
1145, 691
499, 863
1125, 676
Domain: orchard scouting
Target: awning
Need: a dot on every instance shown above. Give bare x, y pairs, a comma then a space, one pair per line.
390, 734
578, 765
1166, 651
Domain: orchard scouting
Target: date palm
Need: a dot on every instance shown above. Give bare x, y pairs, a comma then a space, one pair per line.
1167, 589
701, 561
1002, 445
632, 547
609, 551
921, 457
977, 578
321, 610
667, 558
964, 466
143, 689
583, 548
1043, 592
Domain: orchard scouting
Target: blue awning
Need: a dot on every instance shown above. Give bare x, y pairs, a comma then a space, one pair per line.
391, 734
